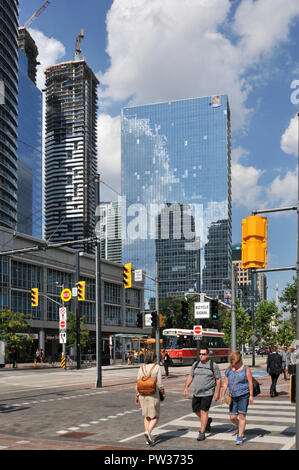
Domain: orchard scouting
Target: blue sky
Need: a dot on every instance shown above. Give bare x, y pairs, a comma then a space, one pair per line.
149, 51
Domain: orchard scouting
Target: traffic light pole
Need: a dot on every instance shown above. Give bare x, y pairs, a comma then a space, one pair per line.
158, 316
78, 332
233, 312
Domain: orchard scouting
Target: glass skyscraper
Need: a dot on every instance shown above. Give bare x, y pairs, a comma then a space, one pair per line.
178, 153
29, 140
9, 13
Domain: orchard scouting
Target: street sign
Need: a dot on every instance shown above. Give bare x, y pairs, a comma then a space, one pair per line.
202, 310
253, 338
62, 325
62, 313
138, 275
66, 295
62, 337
197, 331
75, 291
227, 296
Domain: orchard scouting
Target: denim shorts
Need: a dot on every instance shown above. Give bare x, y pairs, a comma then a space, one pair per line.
239, 405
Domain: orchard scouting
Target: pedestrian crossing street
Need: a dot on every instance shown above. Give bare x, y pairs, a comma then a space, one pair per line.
268, 422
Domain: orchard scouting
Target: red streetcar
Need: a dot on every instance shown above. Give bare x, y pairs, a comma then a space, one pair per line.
182, 347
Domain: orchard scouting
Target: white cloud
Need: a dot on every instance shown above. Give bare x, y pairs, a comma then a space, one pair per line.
109, 151
284, 190
289, 140
50, 50
245, 189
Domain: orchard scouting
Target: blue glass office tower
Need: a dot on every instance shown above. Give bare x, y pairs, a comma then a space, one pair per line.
9, 12
29, 140
178, 153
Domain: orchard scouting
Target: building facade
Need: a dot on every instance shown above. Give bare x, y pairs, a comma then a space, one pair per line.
71, 152
110, 229
51, 271
29, 140
9, 13
178, 152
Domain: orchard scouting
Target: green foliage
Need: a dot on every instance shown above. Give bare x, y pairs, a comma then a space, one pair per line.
286, 333
266, 320
71, 336
243, 326
12, 324
289, 299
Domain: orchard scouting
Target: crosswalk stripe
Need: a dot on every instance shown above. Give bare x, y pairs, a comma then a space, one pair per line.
253, 411
224, 436
216, 424
249, 417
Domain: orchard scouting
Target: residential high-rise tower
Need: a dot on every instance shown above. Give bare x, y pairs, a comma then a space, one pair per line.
9, 13
71, 152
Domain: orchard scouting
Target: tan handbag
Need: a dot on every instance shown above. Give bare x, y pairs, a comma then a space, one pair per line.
228, 398
147, 384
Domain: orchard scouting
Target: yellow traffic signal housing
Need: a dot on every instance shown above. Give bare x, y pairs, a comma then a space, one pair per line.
254, 242
160, 320
81, 290
34, 297
127, 276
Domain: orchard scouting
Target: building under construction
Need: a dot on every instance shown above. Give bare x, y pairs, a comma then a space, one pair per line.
71, 151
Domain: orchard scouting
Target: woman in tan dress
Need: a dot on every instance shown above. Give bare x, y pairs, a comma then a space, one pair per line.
150, 404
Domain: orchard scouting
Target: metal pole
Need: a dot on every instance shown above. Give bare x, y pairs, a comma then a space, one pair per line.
253, 313
78, 345
158, 316
98, 287
297, 319
233, 312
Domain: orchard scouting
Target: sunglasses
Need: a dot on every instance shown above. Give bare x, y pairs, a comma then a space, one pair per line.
203, 354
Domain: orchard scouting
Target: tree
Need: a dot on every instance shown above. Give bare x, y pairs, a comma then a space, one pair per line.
266, 321
12, 326
171, 309
286, 333
71, 336
289, 299
243, 326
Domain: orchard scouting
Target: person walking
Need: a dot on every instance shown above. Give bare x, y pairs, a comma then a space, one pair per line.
274, 369
150, 404
238, 379
284, 361
207, 383
167, 362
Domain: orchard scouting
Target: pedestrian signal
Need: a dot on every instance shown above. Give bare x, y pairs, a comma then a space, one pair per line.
139, 320
34, 297
154, 319
81, 290
254, 242
127, 276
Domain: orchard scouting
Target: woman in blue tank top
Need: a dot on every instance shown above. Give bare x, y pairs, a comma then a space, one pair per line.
238, 380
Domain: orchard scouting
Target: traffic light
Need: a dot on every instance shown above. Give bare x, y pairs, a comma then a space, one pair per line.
160, 320
185, 310
254, 242
154, 319
34, 297
214, 309
127, 276
139, 320
81, 290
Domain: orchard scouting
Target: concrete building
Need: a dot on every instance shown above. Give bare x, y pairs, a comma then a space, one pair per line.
50, 271
70, 152
9, 14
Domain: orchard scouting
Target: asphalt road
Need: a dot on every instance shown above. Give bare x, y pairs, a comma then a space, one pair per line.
58, 409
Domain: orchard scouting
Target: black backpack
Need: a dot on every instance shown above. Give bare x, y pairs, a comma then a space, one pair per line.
211, 365
256, 387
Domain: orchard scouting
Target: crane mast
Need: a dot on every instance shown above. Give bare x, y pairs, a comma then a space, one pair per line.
78, 45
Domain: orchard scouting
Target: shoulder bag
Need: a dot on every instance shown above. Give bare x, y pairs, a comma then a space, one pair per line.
228, 398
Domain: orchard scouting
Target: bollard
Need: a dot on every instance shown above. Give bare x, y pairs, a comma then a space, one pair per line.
62, 362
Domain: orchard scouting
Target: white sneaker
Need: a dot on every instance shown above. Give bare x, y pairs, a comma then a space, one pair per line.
148, 438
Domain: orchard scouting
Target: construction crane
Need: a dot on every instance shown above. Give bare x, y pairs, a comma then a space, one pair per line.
37, 13
78, 45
